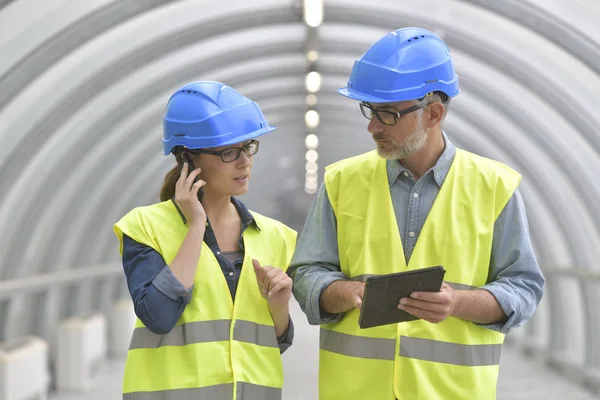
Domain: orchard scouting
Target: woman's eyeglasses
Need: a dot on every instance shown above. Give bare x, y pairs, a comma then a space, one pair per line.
231, 154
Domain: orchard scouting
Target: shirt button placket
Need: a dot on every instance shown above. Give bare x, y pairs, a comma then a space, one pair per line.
413, 220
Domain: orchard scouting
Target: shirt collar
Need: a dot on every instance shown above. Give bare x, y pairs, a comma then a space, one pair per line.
245, 215
440, 169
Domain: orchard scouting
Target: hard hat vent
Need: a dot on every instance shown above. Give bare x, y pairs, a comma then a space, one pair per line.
416, 38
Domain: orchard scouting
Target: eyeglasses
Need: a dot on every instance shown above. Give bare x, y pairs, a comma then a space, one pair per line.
231, 154
388, 117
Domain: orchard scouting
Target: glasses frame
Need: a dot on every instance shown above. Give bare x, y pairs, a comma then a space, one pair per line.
364, 106
220, 152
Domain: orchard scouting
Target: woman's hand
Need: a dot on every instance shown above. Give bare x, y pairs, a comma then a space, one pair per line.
276, 287
186, 196
274, 284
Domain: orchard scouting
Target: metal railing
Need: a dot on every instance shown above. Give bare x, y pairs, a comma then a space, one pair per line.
586, 374
42, 283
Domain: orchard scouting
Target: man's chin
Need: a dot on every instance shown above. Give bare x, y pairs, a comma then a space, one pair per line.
386, 154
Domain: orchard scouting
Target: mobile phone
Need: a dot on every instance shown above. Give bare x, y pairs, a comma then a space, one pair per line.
191, 167
188, 159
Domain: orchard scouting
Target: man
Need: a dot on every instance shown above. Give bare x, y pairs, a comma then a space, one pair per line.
416, 202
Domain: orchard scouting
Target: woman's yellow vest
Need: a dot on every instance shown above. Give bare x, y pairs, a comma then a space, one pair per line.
452, 360
218, 350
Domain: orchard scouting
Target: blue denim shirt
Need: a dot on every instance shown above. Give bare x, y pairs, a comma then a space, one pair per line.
514, 279
159, 298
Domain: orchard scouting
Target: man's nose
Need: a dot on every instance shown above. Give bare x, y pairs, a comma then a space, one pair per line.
375, 126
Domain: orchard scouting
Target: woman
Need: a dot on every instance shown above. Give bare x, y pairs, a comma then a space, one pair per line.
207, 276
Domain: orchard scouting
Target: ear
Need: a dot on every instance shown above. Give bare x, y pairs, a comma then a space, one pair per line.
435, 114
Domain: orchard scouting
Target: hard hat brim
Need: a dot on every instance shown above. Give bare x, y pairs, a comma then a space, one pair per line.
413, 95
202, 144
355, 95
252, 135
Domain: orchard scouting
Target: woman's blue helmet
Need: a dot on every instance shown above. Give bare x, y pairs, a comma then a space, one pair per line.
210, 114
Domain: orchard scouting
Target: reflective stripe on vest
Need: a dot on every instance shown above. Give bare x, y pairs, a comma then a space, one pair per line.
420, 349
245, 391
250, 332
205, 331
468, 355
357, 346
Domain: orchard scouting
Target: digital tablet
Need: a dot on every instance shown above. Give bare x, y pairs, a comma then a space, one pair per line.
383, 293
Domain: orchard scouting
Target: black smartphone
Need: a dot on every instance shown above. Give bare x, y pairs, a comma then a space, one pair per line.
191, 167
188, 159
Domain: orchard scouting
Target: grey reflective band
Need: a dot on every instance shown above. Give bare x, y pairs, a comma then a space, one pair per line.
180, 335
250, 332
362, 278
477, 355
460, 286
216, 392
249, 391
205, 331
416, 348
357, 346
245, 391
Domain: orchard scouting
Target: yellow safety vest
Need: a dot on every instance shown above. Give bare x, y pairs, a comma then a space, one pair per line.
219, 349
452, 360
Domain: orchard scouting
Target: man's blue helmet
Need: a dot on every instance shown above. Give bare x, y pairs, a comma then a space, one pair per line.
406, 64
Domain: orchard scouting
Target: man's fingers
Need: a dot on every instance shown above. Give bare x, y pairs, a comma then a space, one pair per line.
423, 314
443, 296
431, 312
422, 305
357, 302
361, 291
431, 297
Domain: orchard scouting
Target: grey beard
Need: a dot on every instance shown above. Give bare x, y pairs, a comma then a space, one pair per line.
410, 146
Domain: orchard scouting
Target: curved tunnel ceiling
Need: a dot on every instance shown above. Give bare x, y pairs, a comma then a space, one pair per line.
83, 86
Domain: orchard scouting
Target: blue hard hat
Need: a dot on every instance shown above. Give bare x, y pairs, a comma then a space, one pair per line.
405, 64
210, 114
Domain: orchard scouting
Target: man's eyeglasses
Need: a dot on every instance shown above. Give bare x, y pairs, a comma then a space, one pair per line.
231, 154
388, 117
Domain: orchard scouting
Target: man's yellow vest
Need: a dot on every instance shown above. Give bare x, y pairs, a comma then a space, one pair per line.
452, 360
218, 349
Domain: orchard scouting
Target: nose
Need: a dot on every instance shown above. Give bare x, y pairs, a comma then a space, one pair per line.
243, 161
375, 126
